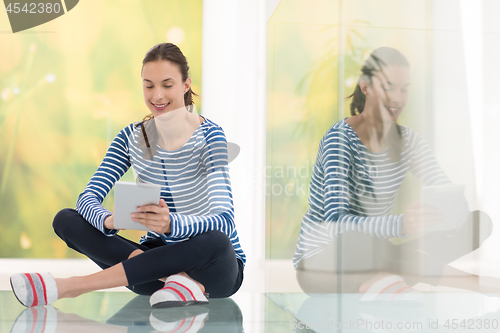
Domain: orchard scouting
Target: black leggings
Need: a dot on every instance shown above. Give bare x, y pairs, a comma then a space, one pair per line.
208, 258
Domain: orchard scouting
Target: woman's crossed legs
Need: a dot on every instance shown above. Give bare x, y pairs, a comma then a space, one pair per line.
208, 259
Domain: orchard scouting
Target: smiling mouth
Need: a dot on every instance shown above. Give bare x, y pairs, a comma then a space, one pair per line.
391, 109
160, 106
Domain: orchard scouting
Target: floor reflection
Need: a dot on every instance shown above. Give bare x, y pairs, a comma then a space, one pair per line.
437, 312
220, 315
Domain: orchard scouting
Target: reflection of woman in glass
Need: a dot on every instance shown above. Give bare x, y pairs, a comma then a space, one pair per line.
361, 163
193, 243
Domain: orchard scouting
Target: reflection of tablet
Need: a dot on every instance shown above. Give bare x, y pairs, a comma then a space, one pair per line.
447, 198
128, 196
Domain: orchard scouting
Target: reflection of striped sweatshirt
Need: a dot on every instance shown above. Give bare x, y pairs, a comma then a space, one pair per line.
194, 179
356, 189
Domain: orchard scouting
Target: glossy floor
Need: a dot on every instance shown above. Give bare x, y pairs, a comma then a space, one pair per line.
125, 312
249, 312
270, 301
433, 312
120, 310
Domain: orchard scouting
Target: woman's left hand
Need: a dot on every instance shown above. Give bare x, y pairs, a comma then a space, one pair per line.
154, 217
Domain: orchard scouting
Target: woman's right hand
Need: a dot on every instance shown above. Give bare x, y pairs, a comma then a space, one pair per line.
109, 222
418, 218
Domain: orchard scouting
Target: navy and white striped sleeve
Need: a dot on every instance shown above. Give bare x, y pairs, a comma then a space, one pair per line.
336, 157
114, 165
214, 157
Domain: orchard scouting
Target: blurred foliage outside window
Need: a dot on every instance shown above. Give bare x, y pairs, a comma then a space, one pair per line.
66, 89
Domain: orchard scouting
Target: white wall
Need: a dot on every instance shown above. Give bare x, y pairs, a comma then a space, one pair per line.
466, 71
233, 96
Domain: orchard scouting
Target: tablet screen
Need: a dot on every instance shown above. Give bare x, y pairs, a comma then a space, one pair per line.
128, 196
447, 198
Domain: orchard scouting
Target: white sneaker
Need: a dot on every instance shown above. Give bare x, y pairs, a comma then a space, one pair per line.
178, 291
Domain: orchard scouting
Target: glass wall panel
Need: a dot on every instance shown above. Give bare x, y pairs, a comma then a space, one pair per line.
396, 196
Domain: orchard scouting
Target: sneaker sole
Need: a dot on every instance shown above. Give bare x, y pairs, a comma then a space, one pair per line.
173, 304
14, 292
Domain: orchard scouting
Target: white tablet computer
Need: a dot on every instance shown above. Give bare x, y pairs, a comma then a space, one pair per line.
447, 198
128, 196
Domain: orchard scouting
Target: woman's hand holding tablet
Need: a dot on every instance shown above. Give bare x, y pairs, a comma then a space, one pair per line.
437, 209
419, 218
128, 198
447, 199
154, 217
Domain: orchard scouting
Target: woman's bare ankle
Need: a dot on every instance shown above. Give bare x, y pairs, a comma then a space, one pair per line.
65, 288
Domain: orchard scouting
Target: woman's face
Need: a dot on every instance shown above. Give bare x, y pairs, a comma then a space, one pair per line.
163, 87
388, 92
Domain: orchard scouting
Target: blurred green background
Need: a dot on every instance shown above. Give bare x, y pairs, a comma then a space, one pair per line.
67, 88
